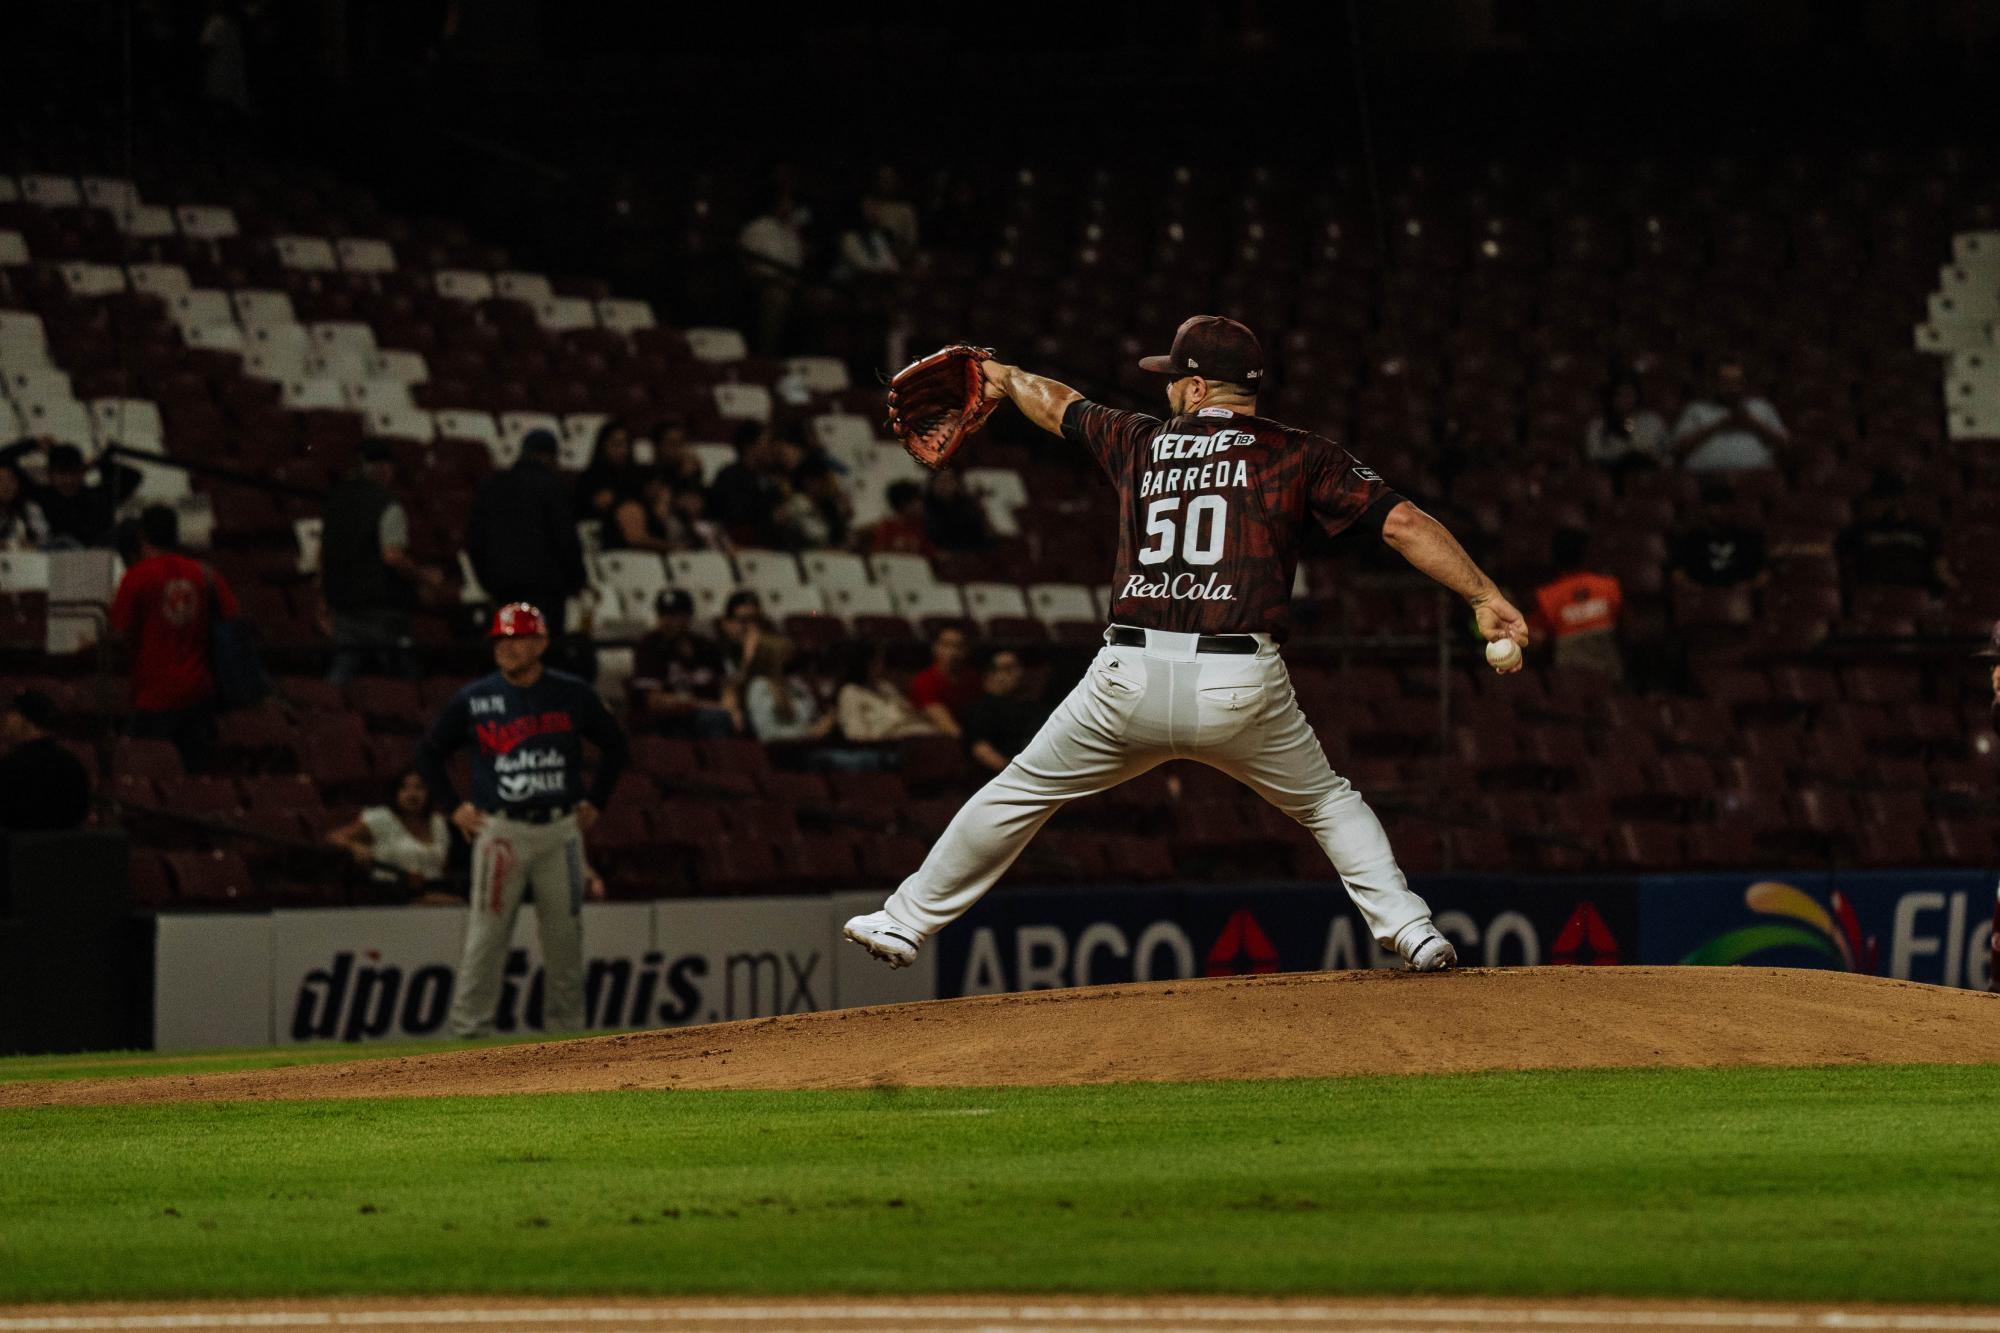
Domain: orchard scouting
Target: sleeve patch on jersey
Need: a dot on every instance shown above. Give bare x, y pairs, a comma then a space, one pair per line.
1367, 473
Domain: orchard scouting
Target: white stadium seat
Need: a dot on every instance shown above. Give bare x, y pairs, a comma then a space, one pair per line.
743, 402
146, 222
10, 190
64, 420
132, 422
896, 571
455, 423
51, 191
278, 359
341, 363
695, 570
914, 602
259, 308
205, 222
641, 574
13, 249
559, 314
514, 286
834, 431
623, 316
367, 395
985, 601
314, 393
10, 423
713, 458
22, 342
109, 192
36, 383
24, 571
165, 281
310, 254
85, 279
348, 334
463, 284
578, 439
361, 254
516, 426
834, 569
401, 423
867, 599
801, 600
307, 532
717, 345
766, 570
820, 374
470, 592
1062, 604
213, 337
202, 305
399, 364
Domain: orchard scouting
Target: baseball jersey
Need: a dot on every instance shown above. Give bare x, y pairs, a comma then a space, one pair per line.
1212, 510
527, 744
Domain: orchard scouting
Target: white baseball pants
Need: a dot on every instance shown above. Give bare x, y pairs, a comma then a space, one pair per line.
508, 856
1134, 709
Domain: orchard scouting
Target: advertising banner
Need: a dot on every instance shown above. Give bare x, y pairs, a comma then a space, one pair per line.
1915, 925
1030, 939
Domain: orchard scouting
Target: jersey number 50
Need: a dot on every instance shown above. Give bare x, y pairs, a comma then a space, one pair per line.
1207, 518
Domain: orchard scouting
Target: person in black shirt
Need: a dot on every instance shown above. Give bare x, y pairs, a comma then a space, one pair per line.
42, 785
78, 512
1887, 545
1000, 723
522, 535
676, 684
367, 578
1719, 551
953, 516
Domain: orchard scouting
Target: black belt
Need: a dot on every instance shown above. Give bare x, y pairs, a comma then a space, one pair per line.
539, 814
1124, 636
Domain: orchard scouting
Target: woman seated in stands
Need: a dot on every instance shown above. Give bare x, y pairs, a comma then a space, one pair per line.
608, 474
406, 841
1624, 436
873, 704
780, 705
688, 526
637, 521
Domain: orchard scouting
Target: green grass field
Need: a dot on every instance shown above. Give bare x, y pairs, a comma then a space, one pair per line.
1870, 1183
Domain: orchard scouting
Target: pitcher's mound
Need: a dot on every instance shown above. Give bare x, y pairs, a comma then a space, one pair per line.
1296, 1025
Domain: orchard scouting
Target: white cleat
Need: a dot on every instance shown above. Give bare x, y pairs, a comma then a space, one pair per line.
885, 937
1431, 953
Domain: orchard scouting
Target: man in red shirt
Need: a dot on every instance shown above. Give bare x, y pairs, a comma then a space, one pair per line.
903, 532
947, 687
1579, 609
162, 609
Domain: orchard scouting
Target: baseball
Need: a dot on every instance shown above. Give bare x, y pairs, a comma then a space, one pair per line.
1503, 653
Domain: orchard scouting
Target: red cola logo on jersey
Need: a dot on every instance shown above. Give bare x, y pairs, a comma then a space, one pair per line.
1181, 588
502, 737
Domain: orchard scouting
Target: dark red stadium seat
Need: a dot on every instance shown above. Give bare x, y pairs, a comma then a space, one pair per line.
215, 878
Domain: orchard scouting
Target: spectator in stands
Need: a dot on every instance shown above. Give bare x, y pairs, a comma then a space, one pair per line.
366, 575
867, 251
953, 517
1729, 431
672, 455
676, 684
638, 517
815, 511
1886, 545
1625, 436
902, 530
606, 476
947, 687
781, 707
1719, 551
406, 841
43, 787
23, 526
1579, 609
164, 608
688, 526
743, 629
872, 705
747, 491
1002, 720
225, 82
522, 535
889, 209
773, 248
78, 511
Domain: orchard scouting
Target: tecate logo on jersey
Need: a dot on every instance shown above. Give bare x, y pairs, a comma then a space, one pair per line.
1181, 588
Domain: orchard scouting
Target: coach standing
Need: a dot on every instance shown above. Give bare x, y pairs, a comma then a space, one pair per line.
526, 815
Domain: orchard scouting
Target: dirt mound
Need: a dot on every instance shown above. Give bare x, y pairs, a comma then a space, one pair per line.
1297, 1025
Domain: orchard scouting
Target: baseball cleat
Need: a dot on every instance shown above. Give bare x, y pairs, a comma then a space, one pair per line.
885, 937
1432, 953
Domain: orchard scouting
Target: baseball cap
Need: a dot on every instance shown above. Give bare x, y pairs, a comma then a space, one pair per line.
674, 602
35, 706
1213, 347
1992, 649
517, 620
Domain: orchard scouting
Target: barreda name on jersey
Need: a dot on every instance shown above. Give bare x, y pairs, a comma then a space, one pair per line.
1226, 472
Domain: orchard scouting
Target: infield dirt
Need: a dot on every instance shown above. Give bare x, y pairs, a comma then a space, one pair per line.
1294, 1025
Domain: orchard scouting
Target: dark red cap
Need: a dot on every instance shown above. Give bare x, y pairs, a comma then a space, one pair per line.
517, 620
1214, 348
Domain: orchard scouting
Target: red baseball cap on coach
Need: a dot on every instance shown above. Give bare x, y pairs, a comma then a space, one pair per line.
517, 620
1214, 348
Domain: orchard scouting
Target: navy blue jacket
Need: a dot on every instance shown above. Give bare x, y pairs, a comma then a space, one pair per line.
527, 744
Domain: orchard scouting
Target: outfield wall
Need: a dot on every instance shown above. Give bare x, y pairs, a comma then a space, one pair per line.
386, 973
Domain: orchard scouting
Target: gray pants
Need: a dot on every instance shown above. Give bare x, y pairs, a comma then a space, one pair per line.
507, 857
1134, 709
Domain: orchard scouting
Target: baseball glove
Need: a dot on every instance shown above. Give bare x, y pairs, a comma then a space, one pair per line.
936, 402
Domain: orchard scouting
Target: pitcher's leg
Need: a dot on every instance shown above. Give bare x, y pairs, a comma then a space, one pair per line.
498, 880
1283, 762
559, 884
1073, 755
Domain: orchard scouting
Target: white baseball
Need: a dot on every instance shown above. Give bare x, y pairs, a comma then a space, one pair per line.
1503, 653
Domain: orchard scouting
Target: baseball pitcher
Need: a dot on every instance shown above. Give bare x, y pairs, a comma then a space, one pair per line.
1213, 503
526, 816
